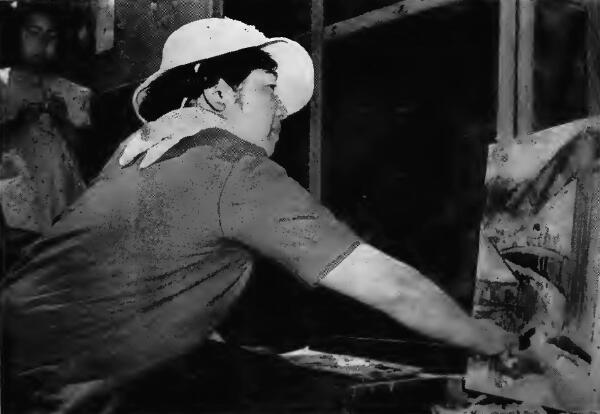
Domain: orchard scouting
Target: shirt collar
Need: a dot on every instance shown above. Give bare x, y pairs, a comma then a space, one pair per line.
157, 137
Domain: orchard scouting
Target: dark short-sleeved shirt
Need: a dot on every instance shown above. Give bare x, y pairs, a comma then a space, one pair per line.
147, 261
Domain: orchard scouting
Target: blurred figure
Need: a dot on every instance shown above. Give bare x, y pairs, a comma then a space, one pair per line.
41, 117
38, 37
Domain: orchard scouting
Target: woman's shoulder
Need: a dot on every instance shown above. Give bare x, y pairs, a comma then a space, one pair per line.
76, 97
4, 74
4, 82
7, 110
65, 85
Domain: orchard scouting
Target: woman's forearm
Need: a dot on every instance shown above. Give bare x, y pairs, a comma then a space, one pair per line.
407, 296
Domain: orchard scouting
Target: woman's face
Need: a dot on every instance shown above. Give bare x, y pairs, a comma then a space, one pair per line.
39, 40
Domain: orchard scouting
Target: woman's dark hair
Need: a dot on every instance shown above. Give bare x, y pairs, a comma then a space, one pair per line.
168, 91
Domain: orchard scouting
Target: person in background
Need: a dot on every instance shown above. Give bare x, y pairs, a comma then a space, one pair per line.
144, 266
41, 117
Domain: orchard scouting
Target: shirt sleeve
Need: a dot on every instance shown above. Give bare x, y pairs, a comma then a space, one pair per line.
270, 213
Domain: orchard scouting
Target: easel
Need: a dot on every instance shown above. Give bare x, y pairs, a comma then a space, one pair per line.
516, 121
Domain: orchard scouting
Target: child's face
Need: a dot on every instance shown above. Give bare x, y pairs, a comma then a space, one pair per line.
39, 40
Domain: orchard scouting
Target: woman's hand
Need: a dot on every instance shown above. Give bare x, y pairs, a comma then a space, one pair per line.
53, 106
489, 339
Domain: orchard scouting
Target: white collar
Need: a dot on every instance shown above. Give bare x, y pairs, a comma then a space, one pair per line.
157, 137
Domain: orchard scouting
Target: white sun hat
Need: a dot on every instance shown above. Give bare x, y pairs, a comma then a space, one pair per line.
208, 38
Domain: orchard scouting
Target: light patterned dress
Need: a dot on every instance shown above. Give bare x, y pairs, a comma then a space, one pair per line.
39, 175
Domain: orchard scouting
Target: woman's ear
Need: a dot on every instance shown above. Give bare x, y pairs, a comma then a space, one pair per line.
220, 96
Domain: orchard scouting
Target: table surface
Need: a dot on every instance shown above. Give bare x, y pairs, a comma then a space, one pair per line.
225, 378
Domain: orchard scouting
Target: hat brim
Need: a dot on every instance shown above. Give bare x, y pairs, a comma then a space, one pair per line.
295, 75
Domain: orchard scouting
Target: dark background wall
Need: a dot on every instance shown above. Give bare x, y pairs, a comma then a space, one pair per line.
141, 28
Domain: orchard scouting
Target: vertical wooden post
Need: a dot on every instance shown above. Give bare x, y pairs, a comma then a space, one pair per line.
584, 293
105, 24
525, 65
593, 56
217, 8
316, 105
505, 120
593, 105
582, 290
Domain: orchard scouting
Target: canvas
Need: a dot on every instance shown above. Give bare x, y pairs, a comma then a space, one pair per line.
538, 264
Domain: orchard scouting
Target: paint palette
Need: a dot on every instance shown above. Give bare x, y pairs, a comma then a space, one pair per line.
356, 367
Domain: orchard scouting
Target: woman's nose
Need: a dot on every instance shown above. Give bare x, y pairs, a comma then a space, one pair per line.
280, 110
